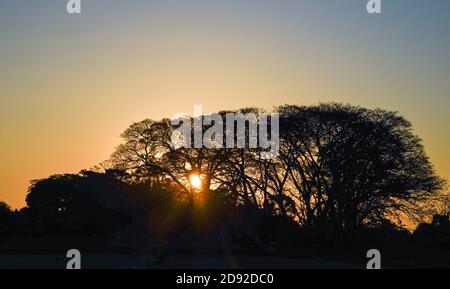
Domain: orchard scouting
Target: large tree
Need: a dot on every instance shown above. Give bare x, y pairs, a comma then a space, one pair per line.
352, 166
340, 167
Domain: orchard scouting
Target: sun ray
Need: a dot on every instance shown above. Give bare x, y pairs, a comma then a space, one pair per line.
195, 181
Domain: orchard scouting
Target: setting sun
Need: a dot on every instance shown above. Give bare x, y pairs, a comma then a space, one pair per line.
195, 181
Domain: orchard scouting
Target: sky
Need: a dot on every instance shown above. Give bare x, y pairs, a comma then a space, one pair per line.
71, 84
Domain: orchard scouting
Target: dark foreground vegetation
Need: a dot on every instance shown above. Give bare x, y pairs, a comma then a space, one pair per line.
347, 179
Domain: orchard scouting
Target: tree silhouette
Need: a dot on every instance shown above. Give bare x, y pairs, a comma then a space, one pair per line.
5, 219
340, 168
78, 204
344, 175
352, 166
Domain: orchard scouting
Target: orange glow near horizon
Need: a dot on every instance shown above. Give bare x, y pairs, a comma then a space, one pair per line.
70, 85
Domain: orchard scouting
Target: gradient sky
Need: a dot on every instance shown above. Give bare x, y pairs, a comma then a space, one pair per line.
70, 84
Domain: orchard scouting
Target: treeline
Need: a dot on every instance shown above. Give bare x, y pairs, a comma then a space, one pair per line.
340, 167
343, 174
